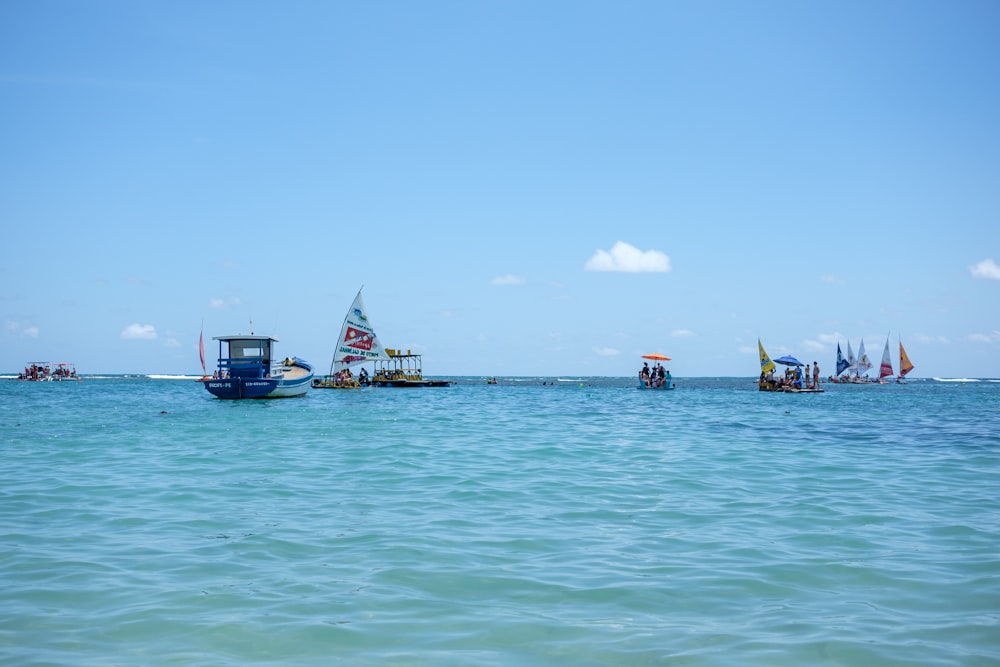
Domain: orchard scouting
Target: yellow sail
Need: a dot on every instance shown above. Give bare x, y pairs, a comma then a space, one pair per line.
766, 364
904, 361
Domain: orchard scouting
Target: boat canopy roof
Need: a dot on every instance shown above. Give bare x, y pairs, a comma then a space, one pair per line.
245, 337
395, 354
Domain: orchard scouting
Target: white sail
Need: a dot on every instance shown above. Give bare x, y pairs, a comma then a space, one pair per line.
885, 368
357, 343
863, 362
852, 363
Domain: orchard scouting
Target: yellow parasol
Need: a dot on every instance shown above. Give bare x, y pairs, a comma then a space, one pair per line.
656, 357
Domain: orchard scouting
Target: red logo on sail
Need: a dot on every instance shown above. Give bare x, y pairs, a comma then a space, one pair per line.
361, 340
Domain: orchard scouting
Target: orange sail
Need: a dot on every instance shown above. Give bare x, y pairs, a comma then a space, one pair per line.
904, 361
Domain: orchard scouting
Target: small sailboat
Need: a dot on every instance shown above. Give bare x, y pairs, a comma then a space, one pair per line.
843, 364
852, 361
201, 353
356, 345
885, 367
905, 366
864, 364
766, 380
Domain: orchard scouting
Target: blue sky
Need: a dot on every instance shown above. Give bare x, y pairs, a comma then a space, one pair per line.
522, 188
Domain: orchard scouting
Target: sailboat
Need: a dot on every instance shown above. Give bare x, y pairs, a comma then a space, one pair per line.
766, 380
904, 364
864, 364
201, 353
357, 344
885, 367
842, 364
766, 365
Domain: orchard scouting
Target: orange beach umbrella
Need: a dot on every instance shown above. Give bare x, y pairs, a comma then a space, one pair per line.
656, 357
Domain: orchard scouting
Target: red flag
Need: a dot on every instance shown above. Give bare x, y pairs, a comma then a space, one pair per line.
201, 350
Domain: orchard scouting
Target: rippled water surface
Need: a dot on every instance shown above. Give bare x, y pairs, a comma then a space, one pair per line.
580, 522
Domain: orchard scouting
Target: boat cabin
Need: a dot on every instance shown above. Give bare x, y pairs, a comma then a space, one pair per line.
247, 357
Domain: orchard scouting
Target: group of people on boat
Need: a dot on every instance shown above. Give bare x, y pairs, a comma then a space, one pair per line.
38, 372
345, 378
654, 377
794, 378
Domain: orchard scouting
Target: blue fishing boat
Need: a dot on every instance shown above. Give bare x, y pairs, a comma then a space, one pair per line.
247, 370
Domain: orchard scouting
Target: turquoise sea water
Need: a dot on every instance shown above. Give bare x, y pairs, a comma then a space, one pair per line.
584, 522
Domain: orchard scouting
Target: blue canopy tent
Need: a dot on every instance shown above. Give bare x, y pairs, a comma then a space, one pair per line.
788, 360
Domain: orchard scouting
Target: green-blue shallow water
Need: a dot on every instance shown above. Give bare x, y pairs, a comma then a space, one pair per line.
584, 522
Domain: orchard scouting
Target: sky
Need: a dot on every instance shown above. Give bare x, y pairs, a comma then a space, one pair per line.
521, 188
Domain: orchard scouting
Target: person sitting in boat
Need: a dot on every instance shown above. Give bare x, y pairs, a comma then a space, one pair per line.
644, 374
363, 377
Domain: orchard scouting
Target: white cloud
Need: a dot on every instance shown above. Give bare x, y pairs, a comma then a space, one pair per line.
172, 342
832, 279
20, 329
627, 258
606, 351
508, 279
985, 269
228, 302
992, 337
139, 332
682, 333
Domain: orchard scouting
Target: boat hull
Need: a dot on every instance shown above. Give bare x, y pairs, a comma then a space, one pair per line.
665, 387
787, 389
295, 382
412, 383
237, 388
